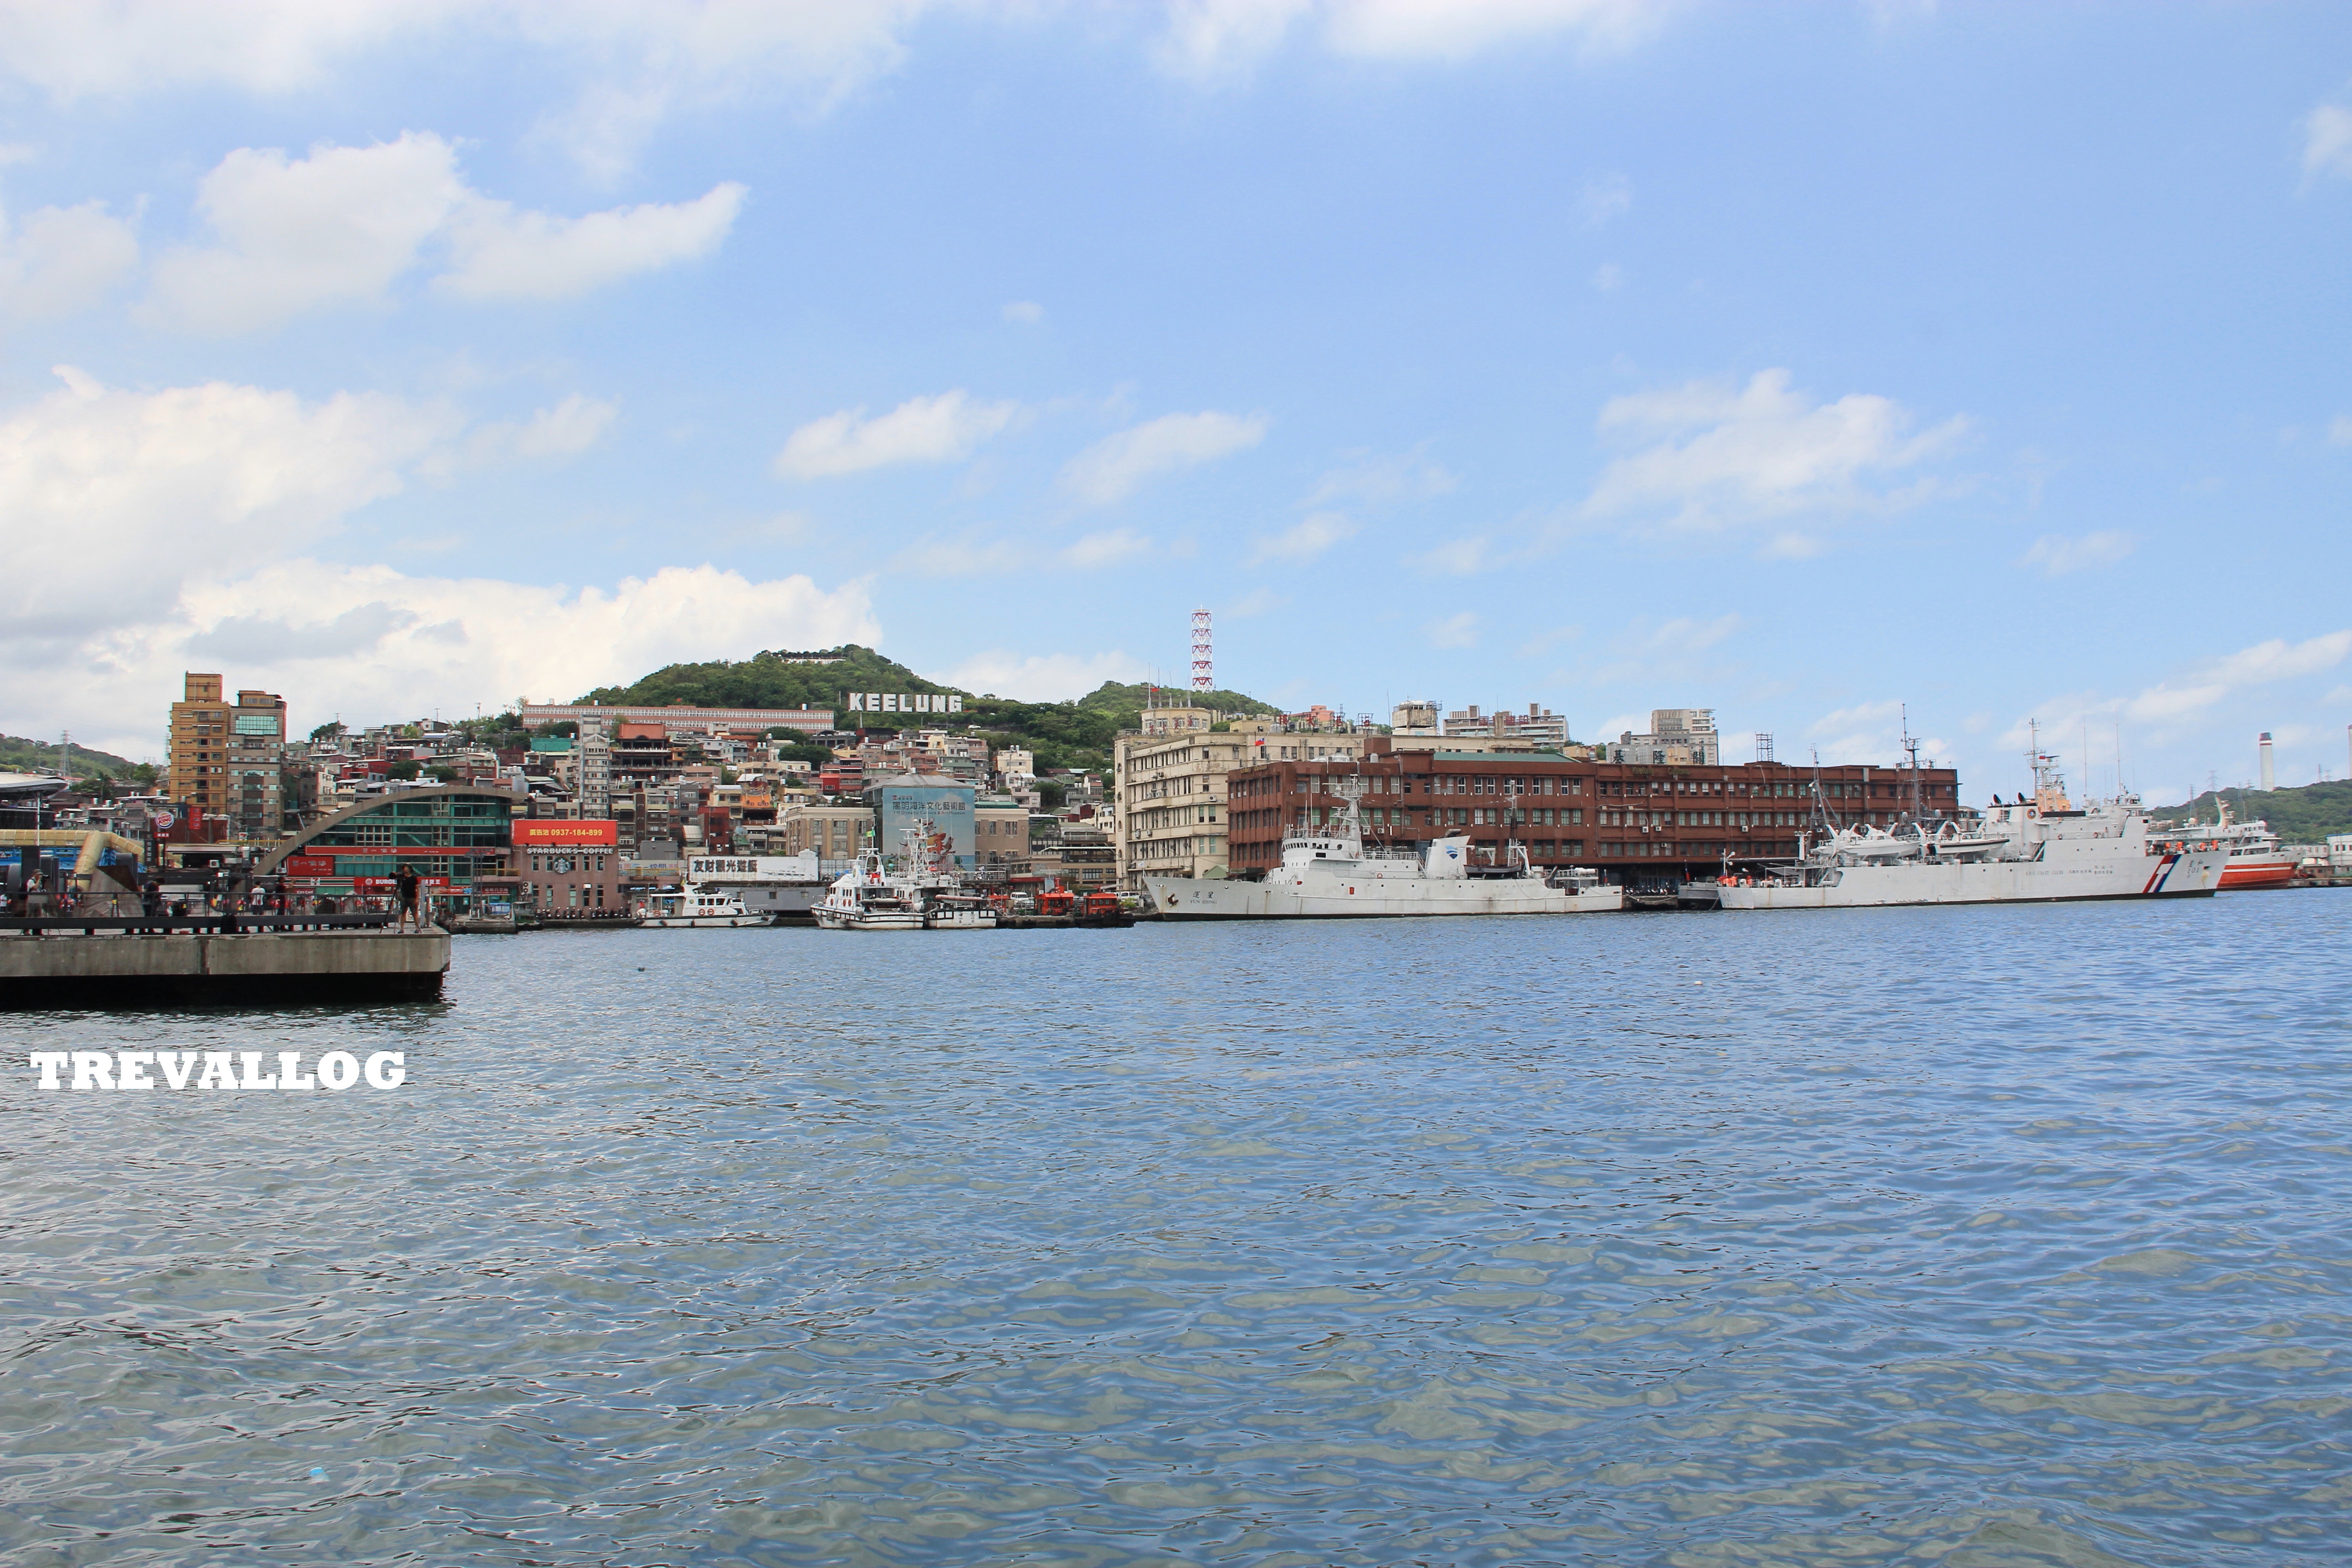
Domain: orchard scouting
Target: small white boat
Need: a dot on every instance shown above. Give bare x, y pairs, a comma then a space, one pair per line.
959, 912
695, 907
866, 898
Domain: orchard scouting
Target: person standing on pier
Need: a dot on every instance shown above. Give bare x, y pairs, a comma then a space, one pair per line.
405, 886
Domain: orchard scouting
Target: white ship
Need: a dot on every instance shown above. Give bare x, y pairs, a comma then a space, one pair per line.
866, 898
696, 906
1329, 874
922, 894
2256, 861
2040, 850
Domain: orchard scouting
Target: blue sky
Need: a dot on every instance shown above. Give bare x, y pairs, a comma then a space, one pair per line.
1796, 362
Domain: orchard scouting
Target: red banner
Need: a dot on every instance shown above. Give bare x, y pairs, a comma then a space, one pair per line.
387, 885
540, 832
309, 865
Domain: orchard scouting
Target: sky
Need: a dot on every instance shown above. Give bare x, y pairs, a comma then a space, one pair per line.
1812, 363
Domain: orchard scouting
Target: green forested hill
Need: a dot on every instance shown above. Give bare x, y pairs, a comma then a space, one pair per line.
1063, 734
21, 755
2306, 814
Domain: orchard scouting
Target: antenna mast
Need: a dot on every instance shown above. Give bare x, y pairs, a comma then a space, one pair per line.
1911, 750
1204, 676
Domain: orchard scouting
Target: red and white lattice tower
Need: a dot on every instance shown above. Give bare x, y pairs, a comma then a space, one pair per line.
1204, 676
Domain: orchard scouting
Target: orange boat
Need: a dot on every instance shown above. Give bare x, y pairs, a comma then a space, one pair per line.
2256, 858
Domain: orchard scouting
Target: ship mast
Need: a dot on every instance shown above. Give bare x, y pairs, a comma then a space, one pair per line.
1911, 750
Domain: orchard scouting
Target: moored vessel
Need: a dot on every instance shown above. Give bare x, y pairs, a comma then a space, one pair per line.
866, 898
2040, 850
1328, 873
2254, 858
696, 906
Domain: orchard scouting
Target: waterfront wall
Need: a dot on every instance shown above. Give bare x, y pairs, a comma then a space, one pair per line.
72, 971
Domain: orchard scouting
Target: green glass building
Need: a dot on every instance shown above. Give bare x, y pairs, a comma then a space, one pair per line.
457, 831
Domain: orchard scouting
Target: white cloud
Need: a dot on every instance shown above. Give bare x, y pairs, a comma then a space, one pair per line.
1313, 535
62, 260
2186, 698
2055, 555
566, 430
941, 429
1608, 277
215, 479
1210, 42
1097, 551
1546, 641
1454, 631
2279, 659
502, 254
1024, 312
1456, 29
934, 556
344, 224
1380, 480
1256, 602
339, 226
1042, 678
373, 644
1461, 557
637, 61
1686, 633
1860, 713
2327, 141
1113, 468
1610, 195
139, 46
2339, 431
1207, 41
1736, 456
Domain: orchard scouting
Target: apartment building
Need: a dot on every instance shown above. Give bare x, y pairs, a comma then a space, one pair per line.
229, 758
1169, 781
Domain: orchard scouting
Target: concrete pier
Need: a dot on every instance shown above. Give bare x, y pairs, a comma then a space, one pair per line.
88, 968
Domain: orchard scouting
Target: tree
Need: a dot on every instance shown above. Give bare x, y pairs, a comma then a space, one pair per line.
805, 751
401, 770
329, 731
440, 773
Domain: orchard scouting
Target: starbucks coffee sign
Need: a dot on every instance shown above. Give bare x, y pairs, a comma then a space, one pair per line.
904, 702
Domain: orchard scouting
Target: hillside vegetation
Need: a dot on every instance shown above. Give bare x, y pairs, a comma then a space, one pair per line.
2306, 814
19, 754
1063, 734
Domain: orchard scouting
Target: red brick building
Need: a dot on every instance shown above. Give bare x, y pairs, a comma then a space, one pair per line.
1638, 821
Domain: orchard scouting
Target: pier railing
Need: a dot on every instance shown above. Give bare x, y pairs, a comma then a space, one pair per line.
166, 925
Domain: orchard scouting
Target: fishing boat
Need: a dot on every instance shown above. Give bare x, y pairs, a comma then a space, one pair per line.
1328, 873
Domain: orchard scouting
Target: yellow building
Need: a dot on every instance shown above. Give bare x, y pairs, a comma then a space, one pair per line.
835, 831
1170, 784
229, 757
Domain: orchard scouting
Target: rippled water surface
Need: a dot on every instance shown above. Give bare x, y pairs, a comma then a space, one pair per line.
1973, 1236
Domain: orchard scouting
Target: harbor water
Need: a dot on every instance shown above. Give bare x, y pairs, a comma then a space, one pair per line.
1976, 1236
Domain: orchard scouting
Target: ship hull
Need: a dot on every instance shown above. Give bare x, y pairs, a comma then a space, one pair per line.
2191, 876
2245, 874
1200, 898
